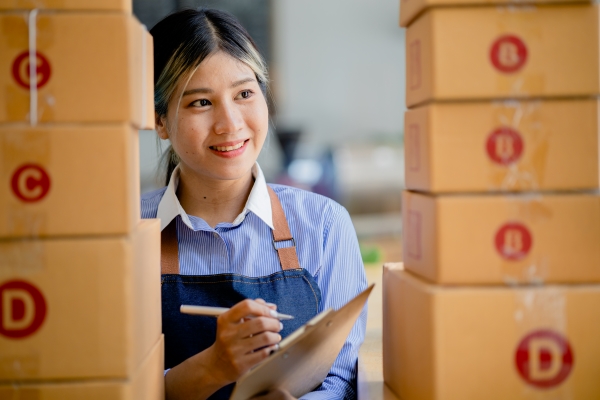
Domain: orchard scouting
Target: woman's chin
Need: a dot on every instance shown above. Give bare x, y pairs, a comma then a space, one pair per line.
232, 173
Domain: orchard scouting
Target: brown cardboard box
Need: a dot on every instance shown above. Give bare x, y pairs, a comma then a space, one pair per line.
495, 239
502, 146
146, 384
79, 308
87, 5
410, 9
68, 179
503, 52
91, 67
496, 343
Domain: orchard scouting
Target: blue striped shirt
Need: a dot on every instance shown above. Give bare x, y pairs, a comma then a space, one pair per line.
326, 243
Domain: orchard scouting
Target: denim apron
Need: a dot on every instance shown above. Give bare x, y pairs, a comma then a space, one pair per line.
293, 289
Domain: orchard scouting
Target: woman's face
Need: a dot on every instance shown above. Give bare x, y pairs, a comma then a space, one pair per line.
220, 125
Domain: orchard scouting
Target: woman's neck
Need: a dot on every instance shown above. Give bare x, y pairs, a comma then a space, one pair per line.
213, 200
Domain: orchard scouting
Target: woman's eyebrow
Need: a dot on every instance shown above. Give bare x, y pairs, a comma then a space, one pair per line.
242, 81
197, 90
207, 90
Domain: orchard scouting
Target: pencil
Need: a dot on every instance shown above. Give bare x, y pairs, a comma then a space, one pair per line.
216, 311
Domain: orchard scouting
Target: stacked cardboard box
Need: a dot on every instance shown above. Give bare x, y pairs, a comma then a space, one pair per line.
79, 270
498, 295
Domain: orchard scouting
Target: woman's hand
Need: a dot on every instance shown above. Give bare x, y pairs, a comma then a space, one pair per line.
278, 394
246, 334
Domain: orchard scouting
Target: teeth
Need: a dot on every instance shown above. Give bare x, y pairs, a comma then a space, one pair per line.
229, 148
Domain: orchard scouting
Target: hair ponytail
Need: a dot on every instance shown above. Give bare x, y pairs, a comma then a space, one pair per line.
168, 162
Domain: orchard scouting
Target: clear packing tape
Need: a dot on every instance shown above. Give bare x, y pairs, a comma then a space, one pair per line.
512, 116
33, 81
537, 133
555, 350
550, 237
527, 209
144, 74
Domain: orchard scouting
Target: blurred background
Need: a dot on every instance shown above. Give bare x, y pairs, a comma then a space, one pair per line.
338, 82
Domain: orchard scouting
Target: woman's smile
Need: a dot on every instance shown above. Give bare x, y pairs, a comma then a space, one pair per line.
229, 149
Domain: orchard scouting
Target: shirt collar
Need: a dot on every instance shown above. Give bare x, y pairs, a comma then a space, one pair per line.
258, 202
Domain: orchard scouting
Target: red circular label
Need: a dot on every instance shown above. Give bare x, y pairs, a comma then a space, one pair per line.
504, 146
21, 69
544, 359
22, 309
508, 53
513, 241
30, 183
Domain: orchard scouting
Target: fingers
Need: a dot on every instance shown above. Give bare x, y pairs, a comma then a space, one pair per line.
247, 308
258, 355
254, 337
270, 305
258, 325
256, 342
261, 301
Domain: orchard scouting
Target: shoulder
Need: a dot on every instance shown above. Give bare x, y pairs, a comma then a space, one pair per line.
294, 197
309, 206
150, 202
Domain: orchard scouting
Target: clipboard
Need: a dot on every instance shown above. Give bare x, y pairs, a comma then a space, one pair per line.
304, 357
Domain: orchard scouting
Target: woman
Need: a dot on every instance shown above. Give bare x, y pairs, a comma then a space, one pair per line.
229, 239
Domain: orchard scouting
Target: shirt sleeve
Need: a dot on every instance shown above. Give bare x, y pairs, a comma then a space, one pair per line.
340, 278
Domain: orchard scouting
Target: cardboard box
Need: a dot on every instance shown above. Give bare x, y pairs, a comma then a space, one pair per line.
69, 180
410, 9
496, 239
447, 343
502, 52
91, 67
79, 308
146, 384
81, 5
502, 146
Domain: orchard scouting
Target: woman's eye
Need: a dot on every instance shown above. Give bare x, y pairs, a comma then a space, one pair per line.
246, 94
201, 103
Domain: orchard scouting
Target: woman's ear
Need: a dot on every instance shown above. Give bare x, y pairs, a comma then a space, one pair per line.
161, 126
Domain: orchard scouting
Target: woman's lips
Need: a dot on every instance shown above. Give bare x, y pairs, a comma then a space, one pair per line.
229, 150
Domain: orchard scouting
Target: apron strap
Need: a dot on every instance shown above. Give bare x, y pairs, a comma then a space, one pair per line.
287, 255
169, 255
169, 249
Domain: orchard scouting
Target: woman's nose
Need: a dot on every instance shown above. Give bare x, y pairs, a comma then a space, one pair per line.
228, 119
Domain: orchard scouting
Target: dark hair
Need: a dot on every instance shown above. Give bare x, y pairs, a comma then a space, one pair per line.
182, 41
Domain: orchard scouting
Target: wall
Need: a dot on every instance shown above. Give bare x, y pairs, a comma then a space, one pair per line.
338, 68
